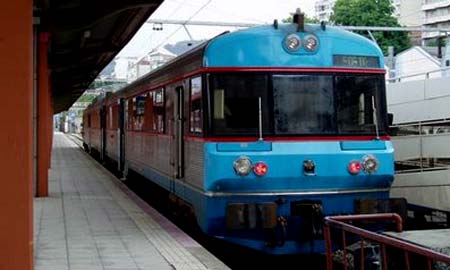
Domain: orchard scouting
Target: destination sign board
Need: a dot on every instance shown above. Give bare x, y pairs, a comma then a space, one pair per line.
356, 61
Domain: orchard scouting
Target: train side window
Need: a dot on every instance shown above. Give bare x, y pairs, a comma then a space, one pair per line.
110, 116
148, 113
195, 106
139, 112
156, 107
131, 112
156, 112
140, 105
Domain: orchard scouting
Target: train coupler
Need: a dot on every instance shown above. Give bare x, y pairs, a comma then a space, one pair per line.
277, 235
311, 216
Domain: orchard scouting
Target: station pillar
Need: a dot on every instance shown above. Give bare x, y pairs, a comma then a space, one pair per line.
44, 117
16, 137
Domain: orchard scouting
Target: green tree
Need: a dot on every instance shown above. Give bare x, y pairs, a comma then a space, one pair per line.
86, 98
307, 20
372, 13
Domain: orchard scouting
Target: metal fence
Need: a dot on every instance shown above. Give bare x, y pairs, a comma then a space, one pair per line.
343, 230
421, 75
422, 145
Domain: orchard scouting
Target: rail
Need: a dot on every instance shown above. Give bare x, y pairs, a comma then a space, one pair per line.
419, 145
425, 74
422, 164
383, 241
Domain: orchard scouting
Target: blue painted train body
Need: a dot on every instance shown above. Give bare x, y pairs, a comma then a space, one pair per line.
309, 155
264, 47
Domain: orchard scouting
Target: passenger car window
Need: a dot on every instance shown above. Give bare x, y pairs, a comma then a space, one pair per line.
158, 110
195, 106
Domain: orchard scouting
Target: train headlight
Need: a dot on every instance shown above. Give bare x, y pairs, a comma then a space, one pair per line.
242, 166
260, 168
293, 42
370, 164
354, 167
310, 43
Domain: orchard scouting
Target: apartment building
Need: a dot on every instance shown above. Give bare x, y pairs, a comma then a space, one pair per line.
324, 9
436, 15
408, 12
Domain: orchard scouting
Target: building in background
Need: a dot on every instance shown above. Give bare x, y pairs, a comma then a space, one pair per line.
397, 4
148, 62
418, 63
324, 9
71, 121
436, 15
158, 57
408, 12
122, 66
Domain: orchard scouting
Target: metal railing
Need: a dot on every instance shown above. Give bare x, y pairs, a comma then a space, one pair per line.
383, 241
423, 131
426, 75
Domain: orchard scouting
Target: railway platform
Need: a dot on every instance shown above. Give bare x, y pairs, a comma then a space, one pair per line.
90, 220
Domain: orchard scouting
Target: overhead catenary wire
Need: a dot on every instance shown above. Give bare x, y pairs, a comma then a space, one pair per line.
181, 25
346, 27
222, 11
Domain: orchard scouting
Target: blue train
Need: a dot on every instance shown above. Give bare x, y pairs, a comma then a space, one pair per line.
259, 132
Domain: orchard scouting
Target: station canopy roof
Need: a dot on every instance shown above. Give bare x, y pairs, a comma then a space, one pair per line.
85, 35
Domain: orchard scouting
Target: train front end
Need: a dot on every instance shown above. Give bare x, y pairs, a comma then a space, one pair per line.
297, 130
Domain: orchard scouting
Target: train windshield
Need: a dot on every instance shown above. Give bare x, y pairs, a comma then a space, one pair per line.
298, 104
236, 103
303, 104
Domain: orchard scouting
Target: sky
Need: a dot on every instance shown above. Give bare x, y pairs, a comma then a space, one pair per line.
238, 11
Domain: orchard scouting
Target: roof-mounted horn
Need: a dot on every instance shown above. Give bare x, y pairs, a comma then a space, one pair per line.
299, 19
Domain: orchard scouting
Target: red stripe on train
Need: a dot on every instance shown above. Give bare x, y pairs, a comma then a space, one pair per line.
262, 69
307, 138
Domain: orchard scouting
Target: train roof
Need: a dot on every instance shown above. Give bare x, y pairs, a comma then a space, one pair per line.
259, 47
263, 46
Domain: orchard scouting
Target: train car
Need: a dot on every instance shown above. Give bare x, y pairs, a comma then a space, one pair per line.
262, 132
100, 128
92, 127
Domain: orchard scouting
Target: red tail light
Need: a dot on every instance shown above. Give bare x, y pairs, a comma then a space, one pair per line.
354, 167
260, 169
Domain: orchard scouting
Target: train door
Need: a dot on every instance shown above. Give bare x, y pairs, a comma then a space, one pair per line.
178, 144
103, 113
121, 135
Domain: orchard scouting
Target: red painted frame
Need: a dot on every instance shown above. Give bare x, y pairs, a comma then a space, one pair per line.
276, 139
261, 69
342, 223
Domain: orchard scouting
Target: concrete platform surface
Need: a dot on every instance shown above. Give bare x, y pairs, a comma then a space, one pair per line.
438, 240
92, 221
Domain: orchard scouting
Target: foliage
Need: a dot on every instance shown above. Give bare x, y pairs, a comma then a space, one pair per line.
106, 83
307, 20
86, 98
372, 13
